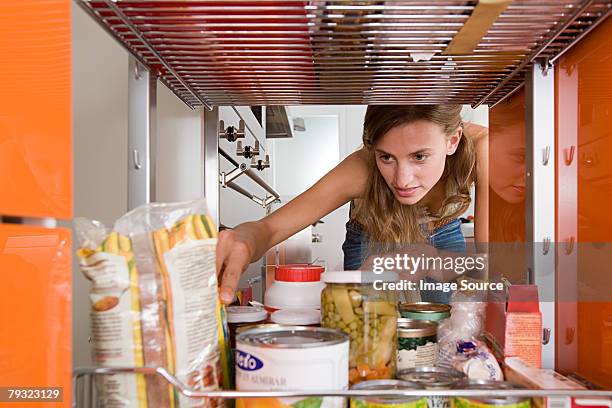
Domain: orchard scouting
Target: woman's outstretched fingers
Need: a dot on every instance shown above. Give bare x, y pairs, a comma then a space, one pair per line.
223, 244
235, 263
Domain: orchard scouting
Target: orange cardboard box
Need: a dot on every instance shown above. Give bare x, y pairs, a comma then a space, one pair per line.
514, 325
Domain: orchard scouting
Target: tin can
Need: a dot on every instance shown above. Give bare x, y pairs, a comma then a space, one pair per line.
492, 402
425, 311
287, 358
388, 402
258, 326
417, 343
435, 378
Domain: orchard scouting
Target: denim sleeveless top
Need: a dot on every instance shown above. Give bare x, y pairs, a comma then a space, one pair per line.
447, 237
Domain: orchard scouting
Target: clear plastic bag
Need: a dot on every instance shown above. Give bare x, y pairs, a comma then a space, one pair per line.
458, 339
155, 303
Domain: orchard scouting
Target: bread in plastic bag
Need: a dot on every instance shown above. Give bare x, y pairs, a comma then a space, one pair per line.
154, 303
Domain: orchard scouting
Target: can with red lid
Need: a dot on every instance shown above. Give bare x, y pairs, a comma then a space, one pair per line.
295, 286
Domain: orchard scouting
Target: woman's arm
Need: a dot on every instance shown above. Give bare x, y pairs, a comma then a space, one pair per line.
246, 243
480, 138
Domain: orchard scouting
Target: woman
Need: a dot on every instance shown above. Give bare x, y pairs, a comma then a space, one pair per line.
409, 184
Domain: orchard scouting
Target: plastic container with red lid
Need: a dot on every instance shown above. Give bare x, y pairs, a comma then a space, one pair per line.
295, 286
298, 273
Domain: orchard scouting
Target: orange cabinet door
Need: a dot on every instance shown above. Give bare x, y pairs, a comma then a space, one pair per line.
35, 309
585, 147
35, 109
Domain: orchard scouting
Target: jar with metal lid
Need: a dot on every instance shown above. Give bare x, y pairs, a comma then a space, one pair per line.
356, 303
243, 316
297, 317
425, 311
492, 402
417, 343
388, 402
435, 378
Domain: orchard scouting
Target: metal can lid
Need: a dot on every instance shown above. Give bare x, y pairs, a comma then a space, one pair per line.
495, 385
292, 337
256, 326
245, 314
296, 317
425, 307
433, 377
387, 385
411, 328
361, 277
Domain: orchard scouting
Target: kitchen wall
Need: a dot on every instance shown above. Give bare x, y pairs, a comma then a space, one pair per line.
100, 98
100, 120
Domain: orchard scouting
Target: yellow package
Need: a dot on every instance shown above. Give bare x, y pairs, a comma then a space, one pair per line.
155, 303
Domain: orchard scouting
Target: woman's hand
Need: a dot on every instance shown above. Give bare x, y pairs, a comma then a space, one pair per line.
235, 249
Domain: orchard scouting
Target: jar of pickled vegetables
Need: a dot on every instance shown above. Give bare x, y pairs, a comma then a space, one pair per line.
353, 303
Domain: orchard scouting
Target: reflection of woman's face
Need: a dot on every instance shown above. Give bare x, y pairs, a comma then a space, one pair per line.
411, 158
507, 164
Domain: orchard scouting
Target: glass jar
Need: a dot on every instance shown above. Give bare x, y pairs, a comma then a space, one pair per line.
243, 316
352, 303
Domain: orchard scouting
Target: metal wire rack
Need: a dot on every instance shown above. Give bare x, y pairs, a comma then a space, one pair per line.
279, 52
84, 392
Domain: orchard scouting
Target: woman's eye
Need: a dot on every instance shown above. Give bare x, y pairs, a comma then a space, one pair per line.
420, 157
385, 157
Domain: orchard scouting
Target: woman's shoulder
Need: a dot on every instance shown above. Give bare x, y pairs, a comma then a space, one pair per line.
355, 170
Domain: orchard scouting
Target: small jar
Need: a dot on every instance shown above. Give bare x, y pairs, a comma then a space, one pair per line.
296, 286
417, 343
239, 317
353, 303
297, 317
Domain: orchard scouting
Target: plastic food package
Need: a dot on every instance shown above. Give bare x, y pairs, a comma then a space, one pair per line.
477, 362
155, 303
458, 339
466, 321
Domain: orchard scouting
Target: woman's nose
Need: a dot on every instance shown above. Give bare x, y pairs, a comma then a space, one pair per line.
403, 177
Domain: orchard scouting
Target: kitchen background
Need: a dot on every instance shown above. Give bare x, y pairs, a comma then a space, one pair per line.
100, 120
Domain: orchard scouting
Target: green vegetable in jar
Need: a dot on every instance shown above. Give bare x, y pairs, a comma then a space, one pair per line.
369, 318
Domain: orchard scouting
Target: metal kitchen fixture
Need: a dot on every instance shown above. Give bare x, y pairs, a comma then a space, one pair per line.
292, 52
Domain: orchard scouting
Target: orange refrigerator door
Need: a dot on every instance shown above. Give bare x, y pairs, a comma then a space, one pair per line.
585, 145
35, 109
35, 310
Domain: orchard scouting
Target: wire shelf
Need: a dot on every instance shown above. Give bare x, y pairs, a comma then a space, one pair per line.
84, 393
279, 52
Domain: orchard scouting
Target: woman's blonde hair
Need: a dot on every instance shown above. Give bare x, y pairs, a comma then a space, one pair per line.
388, 222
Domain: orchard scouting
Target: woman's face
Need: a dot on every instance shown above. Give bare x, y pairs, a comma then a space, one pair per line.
411, 158
507, 164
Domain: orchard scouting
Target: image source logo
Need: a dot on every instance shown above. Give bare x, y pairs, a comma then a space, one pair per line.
247, 362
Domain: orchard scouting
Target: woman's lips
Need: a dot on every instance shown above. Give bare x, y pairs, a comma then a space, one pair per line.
519, 189
406, 192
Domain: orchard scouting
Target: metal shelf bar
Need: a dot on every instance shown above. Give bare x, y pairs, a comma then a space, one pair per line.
583, 34
585, 5
317, 45
161, 59
80, 374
